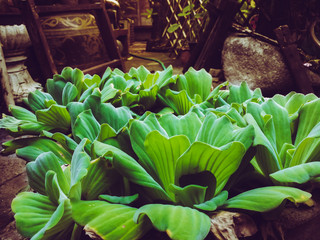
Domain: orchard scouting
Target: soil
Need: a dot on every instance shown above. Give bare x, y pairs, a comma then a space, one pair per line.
13, 179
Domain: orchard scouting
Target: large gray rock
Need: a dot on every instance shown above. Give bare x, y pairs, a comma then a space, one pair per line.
258, 63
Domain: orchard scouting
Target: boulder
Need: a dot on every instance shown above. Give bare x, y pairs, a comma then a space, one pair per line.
259, 63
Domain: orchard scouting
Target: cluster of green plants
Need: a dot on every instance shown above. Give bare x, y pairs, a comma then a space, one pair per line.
118, 155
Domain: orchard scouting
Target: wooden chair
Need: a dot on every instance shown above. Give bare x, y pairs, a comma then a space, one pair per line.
40, 18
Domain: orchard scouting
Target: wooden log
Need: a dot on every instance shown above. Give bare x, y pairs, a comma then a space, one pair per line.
210, 54
4, 79
290, 52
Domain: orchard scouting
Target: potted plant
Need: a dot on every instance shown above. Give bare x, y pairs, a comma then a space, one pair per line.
119, 155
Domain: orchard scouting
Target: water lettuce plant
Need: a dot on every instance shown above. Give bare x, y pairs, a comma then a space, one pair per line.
116, 156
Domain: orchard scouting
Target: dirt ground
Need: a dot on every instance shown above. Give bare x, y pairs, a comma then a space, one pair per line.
13, 179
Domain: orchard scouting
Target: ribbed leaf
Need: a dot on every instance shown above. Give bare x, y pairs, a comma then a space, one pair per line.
106, 132
55, 88
148, 96
138, 132
56, 116
117, 118
266, 198
195, 83
187, 125
22, 114
212, 129
69, 93
30, 148
109, 221
119, 200
309, 116
298, 174
180, 223
164, 153
281, 123
37, 217
53, 190
242, 93
180, 102
66, 142
213, 203
308, 150
293, 101
265, 149
189, 195
99, 179
38, 169
139, 73
160, 78
79, 169
108, 92
203, 157
37, 100
128, 167
86, 126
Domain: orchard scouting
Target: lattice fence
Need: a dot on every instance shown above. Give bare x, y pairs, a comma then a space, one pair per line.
192, 25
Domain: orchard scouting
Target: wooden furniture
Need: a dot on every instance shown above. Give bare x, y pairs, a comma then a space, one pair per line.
41, 22
4, 80
291, 55
207, 53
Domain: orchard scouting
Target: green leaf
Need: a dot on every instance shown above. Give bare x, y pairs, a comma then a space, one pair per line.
195, 83
108, 93
37, 100
180, 223
69, 93
309, 117
293, 101
53, 189
138, 132
173, 27
242, 93
86, 126
298, 174
129, 167
55, 88
213, 128
307, 151
281, 123
38, 169
203, 157
266, 198
79, 169
119, 200
265, 149
180, 102
108, 221
139, 73
37, 217
99, 179
213, 203
106, 132
187, 125
30, 148
189, 195
22, 114
56, 116
66, 73
148, 97
160, 79
164, 153
117, 118
66, 142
